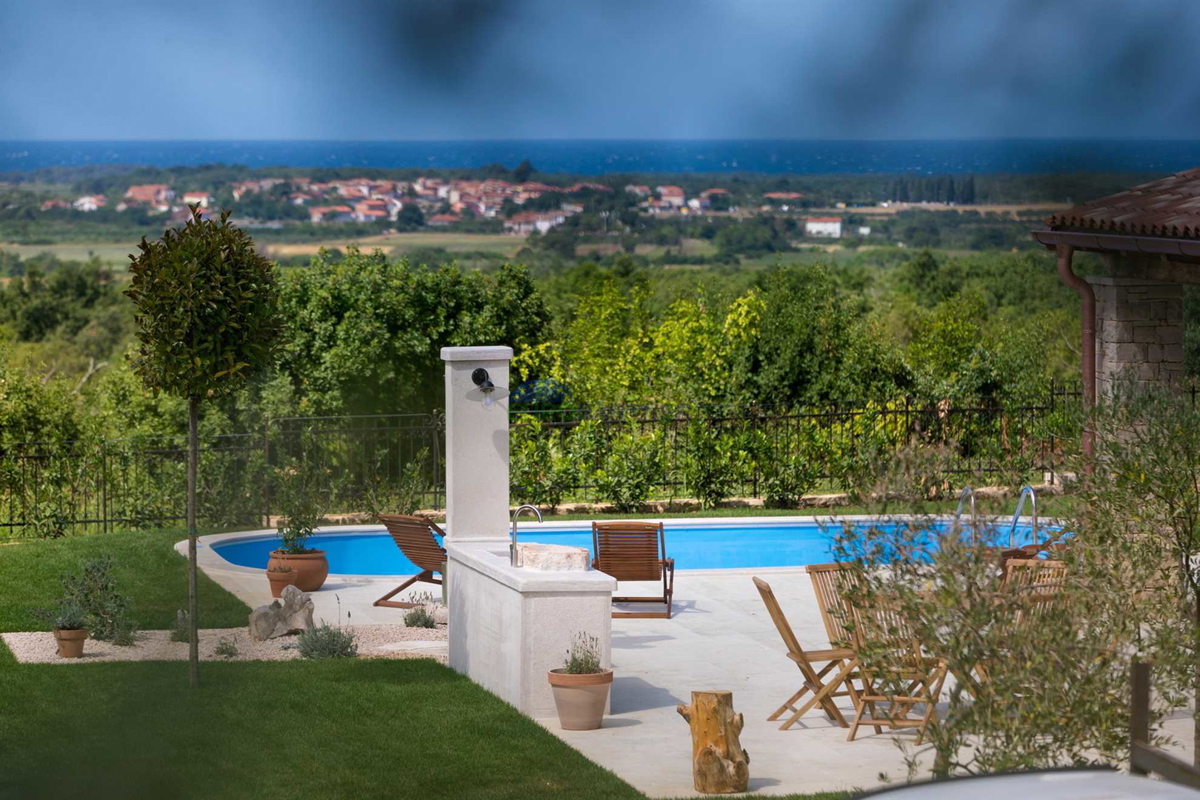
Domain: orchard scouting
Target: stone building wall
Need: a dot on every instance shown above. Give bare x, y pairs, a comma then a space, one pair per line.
1139, 332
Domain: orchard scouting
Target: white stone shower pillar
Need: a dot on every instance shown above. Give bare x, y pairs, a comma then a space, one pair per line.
509, 625
476, 444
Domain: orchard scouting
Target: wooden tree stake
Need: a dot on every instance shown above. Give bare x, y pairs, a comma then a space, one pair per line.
719, 764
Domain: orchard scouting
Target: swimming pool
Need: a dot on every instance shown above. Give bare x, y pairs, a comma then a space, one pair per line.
714, 544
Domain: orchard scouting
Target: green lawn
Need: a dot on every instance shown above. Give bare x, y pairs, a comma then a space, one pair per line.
353, 729
148, 571
344, 729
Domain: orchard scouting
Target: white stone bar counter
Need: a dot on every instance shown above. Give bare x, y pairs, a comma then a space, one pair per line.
511, 625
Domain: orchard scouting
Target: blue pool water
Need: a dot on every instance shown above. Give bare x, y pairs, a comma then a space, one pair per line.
767, 544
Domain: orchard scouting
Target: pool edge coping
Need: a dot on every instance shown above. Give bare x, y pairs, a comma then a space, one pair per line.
209, 560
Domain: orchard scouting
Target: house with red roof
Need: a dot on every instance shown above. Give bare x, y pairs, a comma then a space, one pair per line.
671, 195
89, 202
331, 214
524, 223
442, 220
830, 227
156, 195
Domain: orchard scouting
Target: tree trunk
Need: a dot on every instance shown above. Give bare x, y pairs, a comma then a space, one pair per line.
719, 764
193, 605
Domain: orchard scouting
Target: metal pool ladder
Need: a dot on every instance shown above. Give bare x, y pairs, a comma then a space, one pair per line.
967, 492
1026, 493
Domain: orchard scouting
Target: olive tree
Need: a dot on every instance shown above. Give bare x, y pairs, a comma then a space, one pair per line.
207, 314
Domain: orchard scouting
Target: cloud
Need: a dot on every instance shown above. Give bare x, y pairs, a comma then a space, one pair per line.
488, 69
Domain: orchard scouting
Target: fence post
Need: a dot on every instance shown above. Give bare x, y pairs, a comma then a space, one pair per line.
266, 486
1139, 714
104, 524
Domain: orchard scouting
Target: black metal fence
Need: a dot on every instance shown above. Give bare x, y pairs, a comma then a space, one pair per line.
366, 462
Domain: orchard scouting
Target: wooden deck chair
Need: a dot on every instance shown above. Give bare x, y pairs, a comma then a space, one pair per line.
635, 551
414, 537
823, 692
1039, 582
846, 624
830, 583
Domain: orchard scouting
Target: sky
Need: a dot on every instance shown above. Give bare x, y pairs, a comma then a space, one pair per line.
598, 69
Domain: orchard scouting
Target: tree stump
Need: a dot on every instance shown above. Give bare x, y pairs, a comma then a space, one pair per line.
719, 764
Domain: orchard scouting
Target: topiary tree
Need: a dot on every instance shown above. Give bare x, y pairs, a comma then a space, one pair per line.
207, 314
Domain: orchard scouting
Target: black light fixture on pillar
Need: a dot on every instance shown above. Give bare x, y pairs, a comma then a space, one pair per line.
484, 382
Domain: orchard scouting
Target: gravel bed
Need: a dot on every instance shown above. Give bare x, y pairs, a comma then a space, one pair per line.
374, 641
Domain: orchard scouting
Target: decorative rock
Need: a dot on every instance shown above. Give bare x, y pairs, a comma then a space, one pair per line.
552, 557
293, 615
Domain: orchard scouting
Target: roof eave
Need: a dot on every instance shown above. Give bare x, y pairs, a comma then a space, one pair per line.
1118, 243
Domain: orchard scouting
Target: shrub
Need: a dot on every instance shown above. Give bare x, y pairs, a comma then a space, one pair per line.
381, 496
419, 617
542, 468
327, 642
584, 656
1056, 659
181, 631
787, 478
632, 469
94, 590
66, 616
227, 648
300, 506
714, 463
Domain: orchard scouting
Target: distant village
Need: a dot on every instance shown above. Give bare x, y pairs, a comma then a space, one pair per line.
442, 203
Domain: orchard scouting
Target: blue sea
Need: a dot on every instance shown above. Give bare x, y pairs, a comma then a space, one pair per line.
1024, 156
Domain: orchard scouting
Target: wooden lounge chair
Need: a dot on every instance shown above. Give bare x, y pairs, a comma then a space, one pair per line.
847, 624
835, 658
414, 537
635, 551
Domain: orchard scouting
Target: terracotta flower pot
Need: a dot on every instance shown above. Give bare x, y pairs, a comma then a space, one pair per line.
310, 569
580, 699
281, 580
70, 643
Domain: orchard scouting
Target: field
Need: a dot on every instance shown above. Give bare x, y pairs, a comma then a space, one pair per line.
117, 254
503, 244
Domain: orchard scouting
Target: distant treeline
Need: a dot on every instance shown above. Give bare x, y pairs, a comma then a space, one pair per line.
818, 190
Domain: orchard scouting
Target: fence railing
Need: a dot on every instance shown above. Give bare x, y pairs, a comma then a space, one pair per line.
49, 488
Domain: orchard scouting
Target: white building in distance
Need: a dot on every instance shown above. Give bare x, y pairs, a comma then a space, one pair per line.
830, 227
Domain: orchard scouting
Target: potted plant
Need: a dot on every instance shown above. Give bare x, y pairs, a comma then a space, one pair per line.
70, 628
281, 576
302, 514
581, 686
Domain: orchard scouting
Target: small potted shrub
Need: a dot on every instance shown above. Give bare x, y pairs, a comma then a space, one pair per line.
581, 686
70, 628
302, 514
281, 576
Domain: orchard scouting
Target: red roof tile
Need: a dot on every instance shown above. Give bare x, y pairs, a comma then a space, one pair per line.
1168, 207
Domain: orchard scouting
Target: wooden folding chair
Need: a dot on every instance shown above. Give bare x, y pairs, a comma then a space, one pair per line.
635, 551
849, 625
414, 537
1038, 582
835, 658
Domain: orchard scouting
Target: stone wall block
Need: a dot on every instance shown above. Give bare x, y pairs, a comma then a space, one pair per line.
1113, 331
1131, 353
1171, 334
1145, 334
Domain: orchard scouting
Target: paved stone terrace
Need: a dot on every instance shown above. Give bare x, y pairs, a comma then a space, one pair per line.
720, 638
